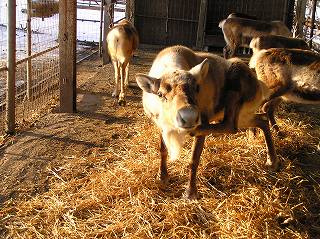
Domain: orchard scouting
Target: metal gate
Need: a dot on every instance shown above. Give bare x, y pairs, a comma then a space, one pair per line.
167, 22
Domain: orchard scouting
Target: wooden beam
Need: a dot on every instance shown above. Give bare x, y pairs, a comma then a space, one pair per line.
313, 16
201, 24
67, 54
130, 11
11, 64
300, 16
106, 23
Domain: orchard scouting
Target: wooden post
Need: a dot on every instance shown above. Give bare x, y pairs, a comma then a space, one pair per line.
101, 27
301, 12
106, 24
313, 9
29, 49
130, 10
67, 54
11, 64
201, 24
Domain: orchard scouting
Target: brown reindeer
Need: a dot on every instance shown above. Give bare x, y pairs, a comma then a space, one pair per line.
242, 15
275, 41
291, 74
122, 41
240, 31
201, 94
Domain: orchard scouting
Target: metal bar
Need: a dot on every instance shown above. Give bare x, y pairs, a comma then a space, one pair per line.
169, 18
314, 7
29, 61
11, 64
5, 68
101, 28
87, 20
36, 55
86, 57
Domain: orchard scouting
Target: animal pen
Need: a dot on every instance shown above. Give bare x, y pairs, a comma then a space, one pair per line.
36, 66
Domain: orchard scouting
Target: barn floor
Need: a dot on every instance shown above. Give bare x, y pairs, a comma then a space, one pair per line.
65, 158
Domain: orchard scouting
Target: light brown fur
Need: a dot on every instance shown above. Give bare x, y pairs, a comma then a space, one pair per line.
201, 94
239, 32
292, 74
122, 41
274, 41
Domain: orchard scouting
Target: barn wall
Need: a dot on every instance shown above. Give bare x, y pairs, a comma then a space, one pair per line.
267, 10
167, 22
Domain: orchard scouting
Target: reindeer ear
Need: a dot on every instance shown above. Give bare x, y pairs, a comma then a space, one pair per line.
148, 83
200, 71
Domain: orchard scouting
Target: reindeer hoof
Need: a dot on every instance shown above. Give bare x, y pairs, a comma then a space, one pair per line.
122, 102
191, 194
273, 166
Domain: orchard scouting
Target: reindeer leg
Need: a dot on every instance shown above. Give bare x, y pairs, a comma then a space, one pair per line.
121, 100
164, 178
116, 77
226, 50
261, 121
192, 191
269, 108
126, 82
229, 122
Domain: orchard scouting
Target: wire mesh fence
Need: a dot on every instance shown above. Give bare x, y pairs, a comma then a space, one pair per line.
37, 57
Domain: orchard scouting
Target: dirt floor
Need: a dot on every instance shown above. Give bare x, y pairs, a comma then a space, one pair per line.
28, 158
93, 174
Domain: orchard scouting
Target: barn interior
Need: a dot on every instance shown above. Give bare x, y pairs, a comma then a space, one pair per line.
75, 164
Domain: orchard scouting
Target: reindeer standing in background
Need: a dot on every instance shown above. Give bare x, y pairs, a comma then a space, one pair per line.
240, 31
291, 74
122, 41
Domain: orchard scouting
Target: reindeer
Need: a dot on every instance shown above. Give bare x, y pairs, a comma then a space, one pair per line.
274, 41
242, 15
290, 74
201, 94
122, 41
239, 32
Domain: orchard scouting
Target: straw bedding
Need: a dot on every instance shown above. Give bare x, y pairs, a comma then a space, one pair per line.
114, 192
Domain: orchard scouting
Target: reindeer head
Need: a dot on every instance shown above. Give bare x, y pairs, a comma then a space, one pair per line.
177, 91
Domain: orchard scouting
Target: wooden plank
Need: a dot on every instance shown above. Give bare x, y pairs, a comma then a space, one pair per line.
201, 24
67, 54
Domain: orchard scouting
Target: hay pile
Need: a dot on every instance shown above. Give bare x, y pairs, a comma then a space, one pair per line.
114, 193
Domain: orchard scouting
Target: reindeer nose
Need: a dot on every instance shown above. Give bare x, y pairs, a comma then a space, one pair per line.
187, 117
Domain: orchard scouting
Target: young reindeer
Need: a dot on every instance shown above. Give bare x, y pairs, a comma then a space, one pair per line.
239, 32
274, 41
122, 40
291, 74
185, 92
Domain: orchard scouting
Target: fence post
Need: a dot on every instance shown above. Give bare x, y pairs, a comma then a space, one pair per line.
313, 9
101, 27
106, 23
29, 39
201, 23
67, 54
11, 64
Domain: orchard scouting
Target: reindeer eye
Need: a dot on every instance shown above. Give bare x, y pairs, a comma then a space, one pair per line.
161, 96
